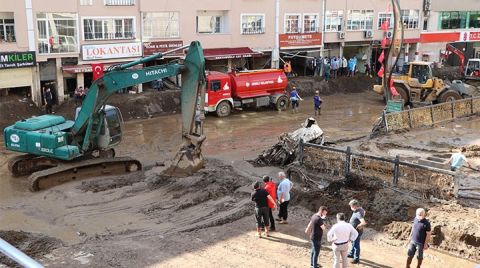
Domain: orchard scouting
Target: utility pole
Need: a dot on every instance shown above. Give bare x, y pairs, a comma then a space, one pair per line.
323, 27
275, 64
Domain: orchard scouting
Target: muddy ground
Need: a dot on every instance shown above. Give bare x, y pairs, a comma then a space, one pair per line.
146, 220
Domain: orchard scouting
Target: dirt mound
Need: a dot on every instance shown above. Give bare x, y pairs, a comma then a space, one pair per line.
134, 106
448, 73
14, 108
458, 237
34, 245
307, 86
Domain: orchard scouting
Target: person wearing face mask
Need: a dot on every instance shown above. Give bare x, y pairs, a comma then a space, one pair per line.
315, 228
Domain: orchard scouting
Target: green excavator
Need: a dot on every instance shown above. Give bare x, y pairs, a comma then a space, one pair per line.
58, 150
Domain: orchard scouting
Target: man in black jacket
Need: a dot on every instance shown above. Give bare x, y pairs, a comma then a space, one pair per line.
261, 197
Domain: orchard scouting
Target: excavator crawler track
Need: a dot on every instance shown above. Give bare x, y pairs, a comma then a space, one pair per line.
66, 172
26, 164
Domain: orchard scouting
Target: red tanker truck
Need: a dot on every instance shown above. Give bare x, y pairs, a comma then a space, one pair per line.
245, 89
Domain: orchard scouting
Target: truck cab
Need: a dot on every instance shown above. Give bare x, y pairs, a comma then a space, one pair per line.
218, 94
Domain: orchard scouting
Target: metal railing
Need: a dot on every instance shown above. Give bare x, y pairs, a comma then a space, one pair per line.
341, 162
110, 36
18, 256
430, 115
253, 31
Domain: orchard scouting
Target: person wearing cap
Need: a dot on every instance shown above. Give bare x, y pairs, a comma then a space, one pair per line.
419, 237
340, 234
261, 198
270, 187
357, 220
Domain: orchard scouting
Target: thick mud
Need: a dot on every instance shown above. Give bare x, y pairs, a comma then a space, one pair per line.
32, 244
307, 86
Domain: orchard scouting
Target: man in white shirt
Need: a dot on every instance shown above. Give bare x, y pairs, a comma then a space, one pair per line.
283, 195
340, 234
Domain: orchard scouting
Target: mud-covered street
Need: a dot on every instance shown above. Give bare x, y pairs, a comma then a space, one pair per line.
206, 220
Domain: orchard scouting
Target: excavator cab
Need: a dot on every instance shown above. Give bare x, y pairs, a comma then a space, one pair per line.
111, 131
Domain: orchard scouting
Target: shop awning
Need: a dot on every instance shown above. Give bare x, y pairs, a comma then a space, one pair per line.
87, 68
230, 53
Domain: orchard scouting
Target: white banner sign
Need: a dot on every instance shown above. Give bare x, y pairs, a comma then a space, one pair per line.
111, 51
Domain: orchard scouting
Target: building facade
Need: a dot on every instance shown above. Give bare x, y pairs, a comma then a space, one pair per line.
58, 40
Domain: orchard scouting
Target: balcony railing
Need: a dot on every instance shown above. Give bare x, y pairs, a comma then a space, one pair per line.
110, 36
119, 2
253, 31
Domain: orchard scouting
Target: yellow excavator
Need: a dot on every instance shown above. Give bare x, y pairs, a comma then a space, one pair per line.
415, 83
56, 150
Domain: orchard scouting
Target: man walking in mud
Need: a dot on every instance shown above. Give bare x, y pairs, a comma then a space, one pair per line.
315, 228
340, 234
457, 159
358, 222
261, 198
419, 238
270, 187
283, 194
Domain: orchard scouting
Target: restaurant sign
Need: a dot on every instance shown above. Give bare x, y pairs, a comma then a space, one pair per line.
111, 51
17, 59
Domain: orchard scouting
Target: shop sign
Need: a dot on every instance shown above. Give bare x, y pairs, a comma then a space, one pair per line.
111, 51
17, 59
469, 36
150, 48
301, 40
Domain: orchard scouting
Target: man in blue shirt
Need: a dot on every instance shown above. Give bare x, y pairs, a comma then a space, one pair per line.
317, 102
457, 160
283, 195
419, 237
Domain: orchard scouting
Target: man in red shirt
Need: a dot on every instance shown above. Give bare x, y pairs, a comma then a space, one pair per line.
272, 191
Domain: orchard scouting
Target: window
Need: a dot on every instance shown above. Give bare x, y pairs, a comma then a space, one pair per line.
382, 17
119, 2
215, 85
334, 21
108, 28
453, 20
310, 23
359, 20
253, 24
292, 23
410, 18
86, 2
161, 25
7, 27
212, 22
425, 24
474, 21
57, 33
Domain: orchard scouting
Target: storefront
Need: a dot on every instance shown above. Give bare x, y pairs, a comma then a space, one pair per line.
227, 59
17, 74
107, 54
300, 49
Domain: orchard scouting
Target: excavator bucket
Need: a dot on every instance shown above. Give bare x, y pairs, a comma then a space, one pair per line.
189, 158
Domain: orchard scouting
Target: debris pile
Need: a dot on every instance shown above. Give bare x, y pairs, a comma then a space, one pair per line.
285, 151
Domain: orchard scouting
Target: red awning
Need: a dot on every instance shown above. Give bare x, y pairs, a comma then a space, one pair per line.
229, 53
87, 68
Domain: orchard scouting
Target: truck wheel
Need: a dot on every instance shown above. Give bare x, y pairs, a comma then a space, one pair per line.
282, 103
449, 95
223, 109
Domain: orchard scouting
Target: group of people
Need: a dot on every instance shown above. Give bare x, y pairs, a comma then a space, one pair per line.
295, 98
80, 94
268, 197
332, 67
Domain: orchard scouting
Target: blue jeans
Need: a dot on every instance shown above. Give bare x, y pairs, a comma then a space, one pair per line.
355, 251
314, 252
